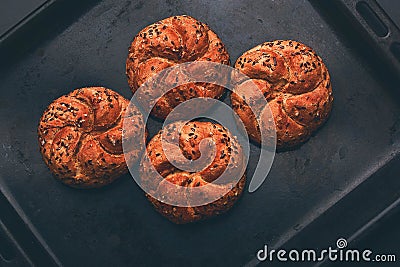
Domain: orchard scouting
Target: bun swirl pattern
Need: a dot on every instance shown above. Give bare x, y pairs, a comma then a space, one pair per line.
168, 42
296, 84
80, 136
162, 178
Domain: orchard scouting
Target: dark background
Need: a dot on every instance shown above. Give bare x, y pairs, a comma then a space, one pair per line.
337, 184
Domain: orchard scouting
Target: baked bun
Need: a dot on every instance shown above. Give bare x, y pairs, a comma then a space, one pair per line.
159, 176
169, 42
80, 137
296, 84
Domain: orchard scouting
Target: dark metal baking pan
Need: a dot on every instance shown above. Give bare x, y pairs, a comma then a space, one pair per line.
334, 173
377, 22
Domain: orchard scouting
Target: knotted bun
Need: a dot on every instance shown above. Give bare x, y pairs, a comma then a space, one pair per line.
296, 84
80, 136
228, 158
168, 42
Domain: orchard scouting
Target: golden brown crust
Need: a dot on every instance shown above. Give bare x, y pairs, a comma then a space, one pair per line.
80, 136
168, 42
228, 158
296, 84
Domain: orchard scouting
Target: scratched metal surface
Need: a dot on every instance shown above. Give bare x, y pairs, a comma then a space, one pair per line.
117, 225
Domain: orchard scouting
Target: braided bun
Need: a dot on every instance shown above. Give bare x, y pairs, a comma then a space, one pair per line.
296, 84
168, 42
80, 136
160, 180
